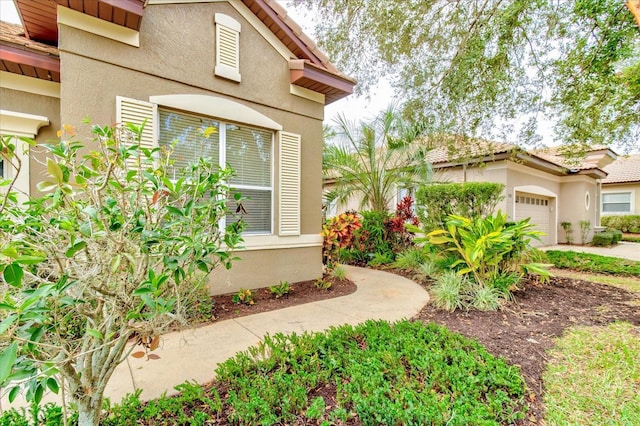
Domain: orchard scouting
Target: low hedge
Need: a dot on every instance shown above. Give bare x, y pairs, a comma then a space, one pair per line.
624, 223
587, 262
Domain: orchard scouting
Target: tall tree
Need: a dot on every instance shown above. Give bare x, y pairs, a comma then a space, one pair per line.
496, 68
372, 159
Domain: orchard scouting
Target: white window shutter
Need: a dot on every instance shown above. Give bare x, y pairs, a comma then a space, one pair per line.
227, 47
289, 178
136, 112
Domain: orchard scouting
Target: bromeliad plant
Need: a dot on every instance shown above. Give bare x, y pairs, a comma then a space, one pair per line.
111, 250
490, 249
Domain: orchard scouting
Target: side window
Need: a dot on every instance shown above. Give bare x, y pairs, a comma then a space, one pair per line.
227, 47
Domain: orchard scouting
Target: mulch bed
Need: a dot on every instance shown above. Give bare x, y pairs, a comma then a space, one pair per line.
301, 292
524, 330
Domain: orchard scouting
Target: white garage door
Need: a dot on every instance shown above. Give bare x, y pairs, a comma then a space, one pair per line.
536, 207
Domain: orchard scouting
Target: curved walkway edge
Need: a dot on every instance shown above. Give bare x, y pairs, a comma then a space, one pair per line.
192, 355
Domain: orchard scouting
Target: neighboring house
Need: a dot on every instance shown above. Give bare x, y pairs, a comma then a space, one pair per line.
621, 188
241, 66
541, 185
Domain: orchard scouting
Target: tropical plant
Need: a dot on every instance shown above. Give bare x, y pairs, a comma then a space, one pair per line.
449, 291
371, 160
243, 296
338, 233
109, 251
488, 247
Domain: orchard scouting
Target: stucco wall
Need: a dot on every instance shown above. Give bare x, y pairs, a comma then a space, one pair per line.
267, 267
573, 206
176, 56
29, 103
634, 188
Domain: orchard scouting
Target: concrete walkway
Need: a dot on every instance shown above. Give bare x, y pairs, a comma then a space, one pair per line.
194, 354
623, 250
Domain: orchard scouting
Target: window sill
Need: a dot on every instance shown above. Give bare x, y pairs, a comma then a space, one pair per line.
276, 242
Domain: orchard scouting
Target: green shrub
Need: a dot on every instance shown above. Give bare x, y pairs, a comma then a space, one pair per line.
400, 373
410, 259
631, 239
602, 239
624, 223
373, 237
593, 263
617, 235
449, 291
435, 202
280, 290
485, 298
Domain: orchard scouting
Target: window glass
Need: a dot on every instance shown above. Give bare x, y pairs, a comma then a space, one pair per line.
616, 202
247, 150
186, 134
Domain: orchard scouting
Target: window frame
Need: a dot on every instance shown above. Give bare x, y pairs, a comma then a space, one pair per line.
617, 192
222, 157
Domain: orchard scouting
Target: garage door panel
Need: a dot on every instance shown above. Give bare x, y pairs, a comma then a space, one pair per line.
537, 208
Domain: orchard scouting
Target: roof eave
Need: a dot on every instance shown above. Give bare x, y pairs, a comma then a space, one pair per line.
46, 67
309, 76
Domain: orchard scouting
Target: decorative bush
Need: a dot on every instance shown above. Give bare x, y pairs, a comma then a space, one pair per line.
436, 202
338, 233
492, 252
109, 251
617, 235
624, 223
603, 239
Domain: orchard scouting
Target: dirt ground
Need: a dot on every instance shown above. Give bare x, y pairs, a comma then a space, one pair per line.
301, 292
522, 331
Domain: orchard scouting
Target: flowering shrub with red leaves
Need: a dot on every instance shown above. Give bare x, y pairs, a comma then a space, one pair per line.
338, 233
404, 214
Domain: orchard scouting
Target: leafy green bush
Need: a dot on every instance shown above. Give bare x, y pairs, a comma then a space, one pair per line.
617, 235
411, 259
387, 374
602, 239
435, 202
280, 290
593, 263
624, 223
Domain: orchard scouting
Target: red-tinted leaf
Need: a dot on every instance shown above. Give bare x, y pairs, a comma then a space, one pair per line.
138, 354
155, 342
153, 356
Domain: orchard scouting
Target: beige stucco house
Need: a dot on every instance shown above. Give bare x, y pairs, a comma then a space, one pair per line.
242, 66
541, 184
621, 188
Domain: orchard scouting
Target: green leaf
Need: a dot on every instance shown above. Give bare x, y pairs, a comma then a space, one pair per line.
10, 252
71, 251
142, 290
13, 393
45, 186
7, 322
439, 240
94, 333
13, 274
30, 260
7, 359
54, 170
85, 229
52, 384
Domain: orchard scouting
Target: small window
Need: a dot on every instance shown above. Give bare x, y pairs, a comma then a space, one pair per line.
227, 47
616, 202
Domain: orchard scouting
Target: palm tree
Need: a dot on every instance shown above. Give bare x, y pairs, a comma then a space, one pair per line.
373, 159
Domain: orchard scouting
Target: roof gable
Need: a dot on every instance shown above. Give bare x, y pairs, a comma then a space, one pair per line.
310, 68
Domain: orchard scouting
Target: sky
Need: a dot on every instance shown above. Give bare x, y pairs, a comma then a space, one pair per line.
356, 108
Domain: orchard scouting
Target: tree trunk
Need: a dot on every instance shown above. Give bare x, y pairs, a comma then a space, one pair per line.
89, 410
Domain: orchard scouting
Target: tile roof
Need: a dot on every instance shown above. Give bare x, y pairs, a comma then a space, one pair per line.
554, 155
447, 151
623, 170
14, 34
